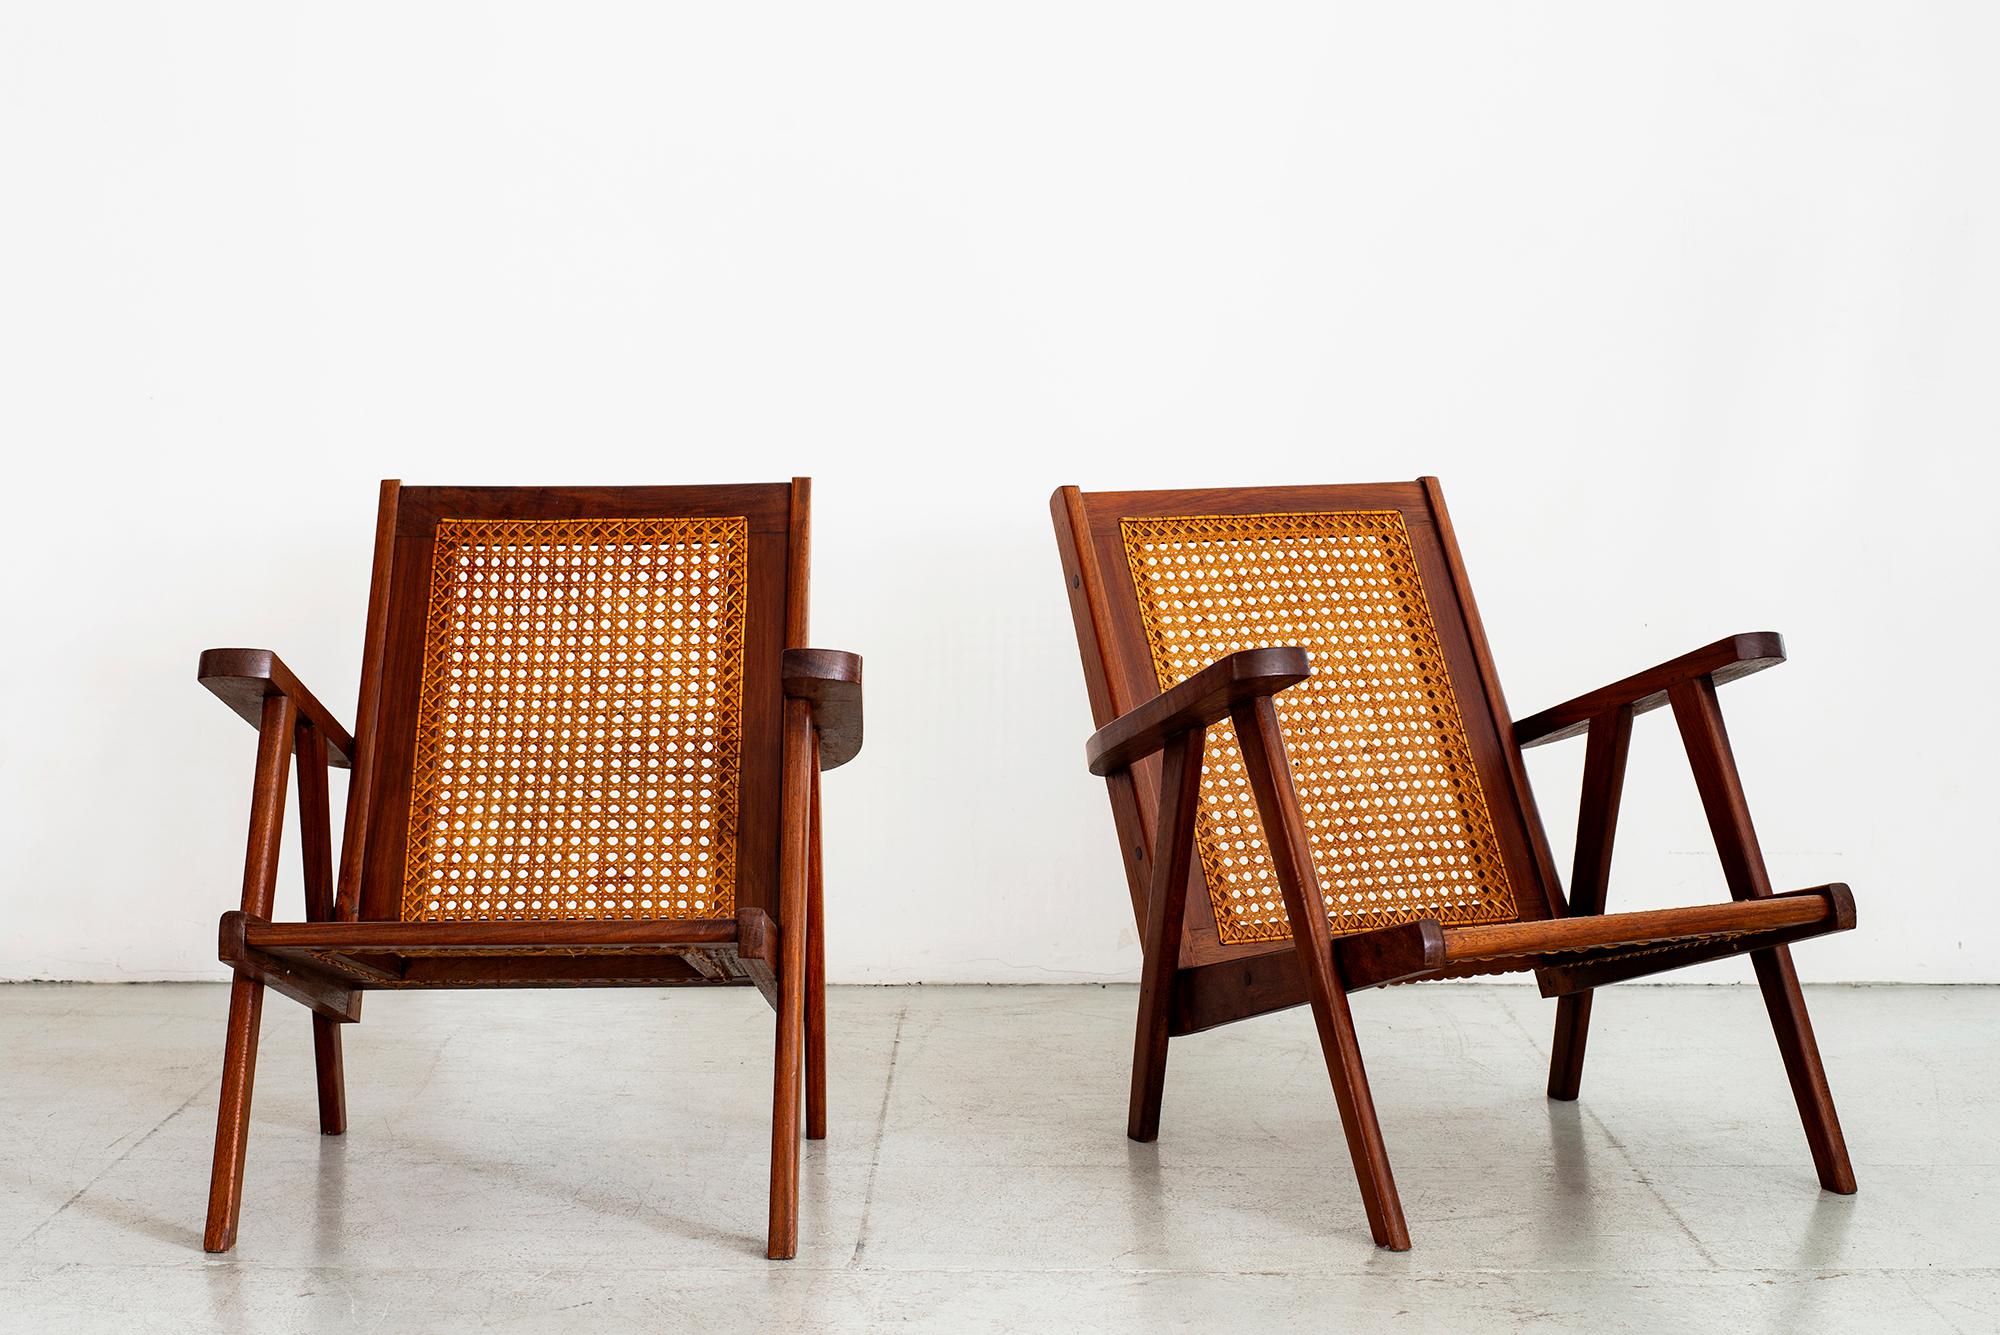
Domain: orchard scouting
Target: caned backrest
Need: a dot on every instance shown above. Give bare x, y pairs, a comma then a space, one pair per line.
571, 702
1413, 802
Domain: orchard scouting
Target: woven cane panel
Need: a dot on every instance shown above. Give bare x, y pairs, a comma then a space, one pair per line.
579, 723
1398, 824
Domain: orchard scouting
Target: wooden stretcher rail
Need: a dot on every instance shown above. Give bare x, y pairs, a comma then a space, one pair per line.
1652, 941
1645, 927
441, 937
325, 966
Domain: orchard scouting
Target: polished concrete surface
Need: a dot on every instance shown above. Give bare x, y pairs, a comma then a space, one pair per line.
572, 1161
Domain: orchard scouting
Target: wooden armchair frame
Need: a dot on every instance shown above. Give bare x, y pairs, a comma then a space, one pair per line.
1193, 979
799, 712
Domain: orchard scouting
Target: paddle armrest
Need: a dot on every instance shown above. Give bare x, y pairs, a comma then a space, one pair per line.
1202, 699
1725, 660
829, 680
244, 678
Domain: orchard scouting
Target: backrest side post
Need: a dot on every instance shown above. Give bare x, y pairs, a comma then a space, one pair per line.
798, 756
1090, 611
1503, 720
1086, 585
368, 708
798, 567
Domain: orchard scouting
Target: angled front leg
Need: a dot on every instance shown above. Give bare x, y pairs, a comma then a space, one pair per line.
1166, 907
1700, 719
246, 994
1264, 759
815, 973
316, 848
827, 682
1596, 826
794, 813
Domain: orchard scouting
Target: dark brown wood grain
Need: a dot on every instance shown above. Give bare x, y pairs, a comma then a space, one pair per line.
815, 969
244, 679
1699, 715
1725, 660
756, 936
487, 935
787, 1068
767, 509
1165, 910
1570, 943
829, 680
1109, 630
368, 706
1646, 926
328, 996
316, 851
805, 704
1207, 996
1503, 772
278, 722
1596, 829
1206, 697
1264, 762
1561, 977
798, 564
1088, 601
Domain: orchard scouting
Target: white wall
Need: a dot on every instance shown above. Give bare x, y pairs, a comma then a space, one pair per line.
1693, 307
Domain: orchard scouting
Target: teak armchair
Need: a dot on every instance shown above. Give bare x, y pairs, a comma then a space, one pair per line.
586, 754
1340, 802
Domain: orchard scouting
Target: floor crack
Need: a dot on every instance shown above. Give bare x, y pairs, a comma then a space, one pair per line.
881, 1124
1630, 1163
129, 1151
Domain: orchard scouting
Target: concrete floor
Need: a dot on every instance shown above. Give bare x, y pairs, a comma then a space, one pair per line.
555, 1161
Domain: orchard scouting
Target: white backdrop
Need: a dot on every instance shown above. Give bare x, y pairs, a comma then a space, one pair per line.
1693, 307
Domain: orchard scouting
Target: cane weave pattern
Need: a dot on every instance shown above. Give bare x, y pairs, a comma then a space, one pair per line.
579, 722
1397, 821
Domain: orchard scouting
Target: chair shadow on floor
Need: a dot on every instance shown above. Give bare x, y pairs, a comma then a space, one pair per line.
1569, 1145
89, 1201
334, 1197
333, 1194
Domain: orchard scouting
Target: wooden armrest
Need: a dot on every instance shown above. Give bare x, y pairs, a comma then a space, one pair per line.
244, 678
830, 681
1725, 660
1202, 699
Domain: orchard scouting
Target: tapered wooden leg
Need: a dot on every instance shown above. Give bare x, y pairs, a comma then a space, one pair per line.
1270, 774
793, 856
1786, 1006
1166, 913
232, 1118
332, 1076
316, 852
1610, 741
784, 1230
246, 994
1566, 1056
815, 976
1342, 1047
1715, 775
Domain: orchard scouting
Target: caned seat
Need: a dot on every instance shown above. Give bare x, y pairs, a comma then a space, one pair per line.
587, 754
1296, 707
